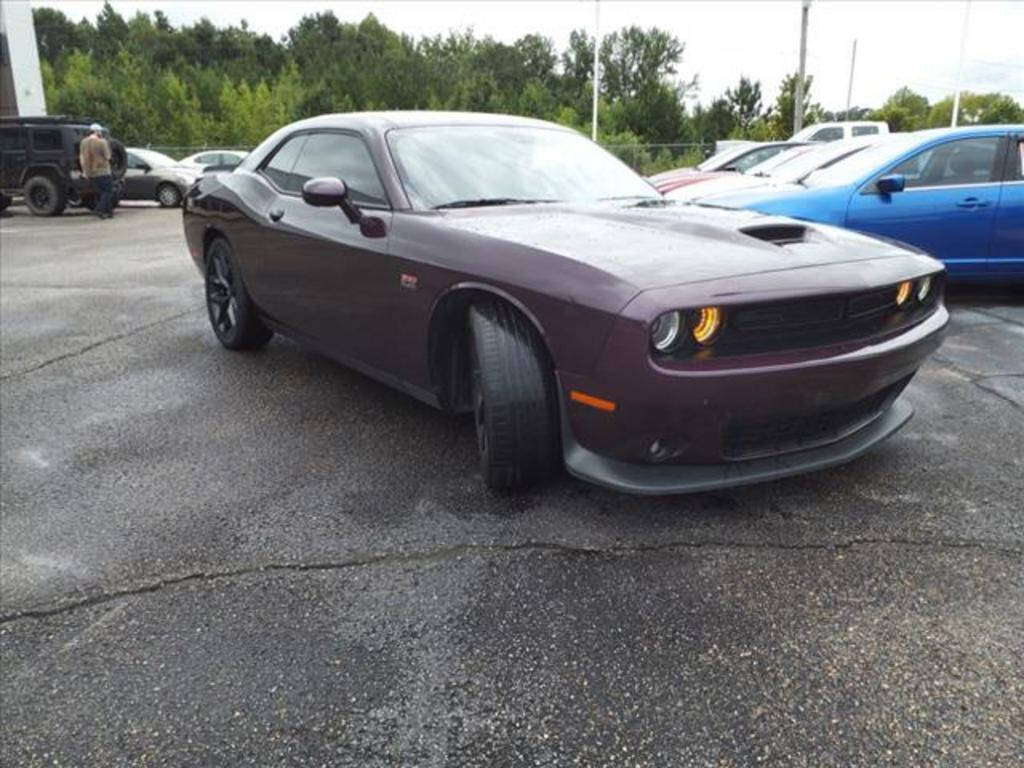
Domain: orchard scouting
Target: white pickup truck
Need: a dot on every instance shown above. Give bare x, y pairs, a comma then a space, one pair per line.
837, 131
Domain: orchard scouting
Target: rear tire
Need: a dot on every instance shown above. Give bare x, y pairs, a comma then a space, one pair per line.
168, 195
232, 313
515, 404
44, 197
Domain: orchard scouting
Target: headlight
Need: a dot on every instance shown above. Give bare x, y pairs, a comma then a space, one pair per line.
665, 331
924, 287
903, 292
707, 321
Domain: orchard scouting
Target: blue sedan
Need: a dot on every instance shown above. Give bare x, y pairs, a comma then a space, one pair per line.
957, 193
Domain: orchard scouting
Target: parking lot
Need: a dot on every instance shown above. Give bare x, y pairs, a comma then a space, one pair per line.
215, 558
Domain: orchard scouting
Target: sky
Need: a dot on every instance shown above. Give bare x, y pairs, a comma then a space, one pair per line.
899, 43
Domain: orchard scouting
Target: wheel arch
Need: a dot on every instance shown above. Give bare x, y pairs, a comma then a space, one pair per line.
50, 171
212, 233
446, 336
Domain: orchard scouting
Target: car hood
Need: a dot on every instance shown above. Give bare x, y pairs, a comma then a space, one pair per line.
666, 243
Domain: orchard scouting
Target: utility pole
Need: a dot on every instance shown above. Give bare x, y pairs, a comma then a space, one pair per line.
960, 65
597, 67
798, 103
849, 89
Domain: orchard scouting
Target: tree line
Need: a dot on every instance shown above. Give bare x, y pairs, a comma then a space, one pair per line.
200, 84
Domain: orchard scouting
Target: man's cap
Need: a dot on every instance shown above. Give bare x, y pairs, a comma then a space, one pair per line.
96, 127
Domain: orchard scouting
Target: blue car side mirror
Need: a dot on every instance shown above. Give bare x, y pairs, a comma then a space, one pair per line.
894, 182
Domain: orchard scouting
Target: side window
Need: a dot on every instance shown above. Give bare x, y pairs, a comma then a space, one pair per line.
966, 161
279, 168
756, 157
1019, 155
208, 159
12, 139
343, 156
865, 130
828, 134
134, 161
44, 140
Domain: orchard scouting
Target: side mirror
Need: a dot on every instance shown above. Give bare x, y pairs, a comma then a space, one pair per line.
328, 192
894, 182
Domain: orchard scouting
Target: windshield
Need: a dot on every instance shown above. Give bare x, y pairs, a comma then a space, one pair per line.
476, 165
768, 167
154, 159
795, 168
723, 157
851, 169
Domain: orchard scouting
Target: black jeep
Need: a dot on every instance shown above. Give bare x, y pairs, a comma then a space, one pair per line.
39, 159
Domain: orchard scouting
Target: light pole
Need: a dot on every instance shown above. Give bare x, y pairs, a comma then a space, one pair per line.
849, 89
960, 64
597, 68
798, 103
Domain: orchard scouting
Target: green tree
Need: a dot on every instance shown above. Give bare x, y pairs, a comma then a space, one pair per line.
745, 103
783, 111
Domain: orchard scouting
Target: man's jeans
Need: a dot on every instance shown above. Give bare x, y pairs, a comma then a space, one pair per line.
105, 184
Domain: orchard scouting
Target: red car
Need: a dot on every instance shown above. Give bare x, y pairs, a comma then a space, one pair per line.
512, 269
730, 160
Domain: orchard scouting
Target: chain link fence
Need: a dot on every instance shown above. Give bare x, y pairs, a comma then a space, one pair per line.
647, 159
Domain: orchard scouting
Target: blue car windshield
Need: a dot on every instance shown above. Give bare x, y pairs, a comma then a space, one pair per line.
863, 163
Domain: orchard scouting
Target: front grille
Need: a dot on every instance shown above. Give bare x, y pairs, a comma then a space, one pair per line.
770, 437
812, 322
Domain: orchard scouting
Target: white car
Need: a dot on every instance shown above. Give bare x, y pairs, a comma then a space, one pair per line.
843, 130
210, 157
789, 167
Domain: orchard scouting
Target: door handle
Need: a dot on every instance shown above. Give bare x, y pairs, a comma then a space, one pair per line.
276, 214
972, 202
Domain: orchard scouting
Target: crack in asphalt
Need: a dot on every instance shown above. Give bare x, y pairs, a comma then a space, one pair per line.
978, 379
981, 311
457, 551
95, 344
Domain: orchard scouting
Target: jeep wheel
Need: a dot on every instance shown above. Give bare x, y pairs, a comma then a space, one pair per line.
168, 196
43, 197
515, 405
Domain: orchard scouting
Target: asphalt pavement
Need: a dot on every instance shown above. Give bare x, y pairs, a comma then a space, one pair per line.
214, 558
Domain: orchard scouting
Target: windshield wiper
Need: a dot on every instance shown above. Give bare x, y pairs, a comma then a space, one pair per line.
485, 201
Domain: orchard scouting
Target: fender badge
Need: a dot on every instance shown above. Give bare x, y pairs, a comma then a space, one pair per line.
409, 282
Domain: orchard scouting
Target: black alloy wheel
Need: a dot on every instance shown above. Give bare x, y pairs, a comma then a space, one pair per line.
232, 314
44, 197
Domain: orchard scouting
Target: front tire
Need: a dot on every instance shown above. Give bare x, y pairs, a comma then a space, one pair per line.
232, 313
44, 197
168, 195
515, 404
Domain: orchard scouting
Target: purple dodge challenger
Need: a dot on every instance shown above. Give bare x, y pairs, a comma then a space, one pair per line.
511, 268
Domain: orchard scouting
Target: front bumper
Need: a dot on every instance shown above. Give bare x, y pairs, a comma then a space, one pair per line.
745, 422
666, 479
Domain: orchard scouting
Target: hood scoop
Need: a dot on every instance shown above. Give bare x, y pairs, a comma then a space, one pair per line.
778, 234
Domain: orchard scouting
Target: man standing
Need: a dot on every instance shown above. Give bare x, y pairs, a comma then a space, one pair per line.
94, 157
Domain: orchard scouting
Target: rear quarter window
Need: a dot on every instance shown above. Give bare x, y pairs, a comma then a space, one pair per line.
46, 140
12, 139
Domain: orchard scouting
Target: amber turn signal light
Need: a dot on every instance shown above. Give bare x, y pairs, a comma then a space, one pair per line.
903, 292
708, 321
594, 402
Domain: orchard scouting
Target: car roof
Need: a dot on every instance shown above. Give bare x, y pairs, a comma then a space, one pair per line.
385, 120
967, 130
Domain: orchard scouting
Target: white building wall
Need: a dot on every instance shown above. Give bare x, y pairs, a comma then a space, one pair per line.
22, 80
